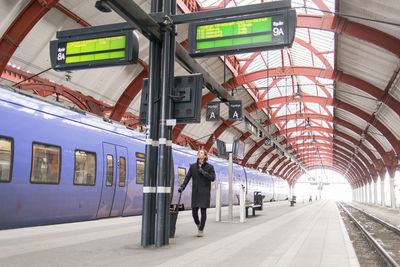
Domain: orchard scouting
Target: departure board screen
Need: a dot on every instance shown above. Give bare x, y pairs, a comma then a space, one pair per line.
94, 49
271, 30
227, 34
101, 50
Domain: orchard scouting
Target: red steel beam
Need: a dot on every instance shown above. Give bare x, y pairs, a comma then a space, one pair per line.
289, 99
338, 76
343, 26
276, 164
128, 95
285, 168
220, 129
72, 15
252, 150
342, 162
271, 159
266, 152
38, 84
21, 26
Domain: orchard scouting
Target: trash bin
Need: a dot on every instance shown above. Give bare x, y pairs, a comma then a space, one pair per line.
258, 199
293, 201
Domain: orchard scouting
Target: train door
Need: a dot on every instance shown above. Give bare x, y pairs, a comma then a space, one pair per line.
114, 180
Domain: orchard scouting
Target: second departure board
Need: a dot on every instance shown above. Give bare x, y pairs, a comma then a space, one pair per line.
267, 31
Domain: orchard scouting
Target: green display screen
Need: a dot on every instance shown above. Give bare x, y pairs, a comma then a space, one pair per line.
226, 34
95, 49
258, 32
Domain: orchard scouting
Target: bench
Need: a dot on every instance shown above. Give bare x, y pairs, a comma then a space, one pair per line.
249, 205
253, 208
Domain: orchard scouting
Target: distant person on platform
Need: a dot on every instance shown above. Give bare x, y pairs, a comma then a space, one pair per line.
203, 174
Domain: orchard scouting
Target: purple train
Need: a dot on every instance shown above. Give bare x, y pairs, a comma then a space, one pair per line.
60, 165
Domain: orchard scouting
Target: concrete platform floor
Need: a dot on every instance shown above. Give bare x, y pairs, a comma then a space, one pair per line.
309, 234
389, 215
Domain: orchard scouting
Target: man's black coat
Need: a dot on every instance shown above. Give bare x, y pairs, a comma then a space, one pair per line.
201, 185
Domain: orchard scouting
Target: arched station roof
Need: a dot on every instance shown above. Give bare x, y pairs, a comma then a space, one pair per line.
331, 101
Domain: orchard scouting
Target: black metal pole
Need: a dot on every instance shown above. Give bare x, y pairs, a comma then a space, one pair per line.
169, 128
150, 171
164, 187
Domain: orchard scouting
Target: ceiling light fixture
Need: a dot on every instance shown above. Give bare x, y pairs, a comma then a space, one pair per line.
314, 140
308, 124
297, 95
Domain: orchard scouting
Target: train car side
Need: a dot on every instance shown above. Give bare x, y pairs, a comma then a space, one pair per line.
43, 187
67, 166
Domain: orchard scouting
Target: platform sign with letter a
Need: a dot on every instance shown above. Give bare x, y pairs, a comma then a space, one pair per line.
235, 110
212, 112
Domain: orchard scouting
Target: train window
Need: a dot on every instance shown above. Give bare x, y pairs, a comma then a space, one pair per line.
110, 170
85, 168
122, 171
6, 151
139, 171
45, 164
181, 175
140, 155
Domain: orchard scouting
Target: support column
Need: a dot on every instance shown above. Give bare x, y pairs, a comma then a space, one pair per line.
357, 194
151, 149
242, 205
165, 143
218, 204
376, 191
392, 174
392, 193
383, 192
370, 192
363, 194
230, 189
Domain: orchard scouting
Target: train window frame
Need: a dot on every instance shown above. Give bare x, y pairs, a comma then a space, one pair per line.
144, 166
95, 167
107, 168
11, 158
119, 180
59, 165
180, 181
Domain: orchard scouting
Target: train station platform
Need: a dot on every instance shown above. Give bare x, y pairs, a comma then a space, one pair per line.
386, 214
308, 234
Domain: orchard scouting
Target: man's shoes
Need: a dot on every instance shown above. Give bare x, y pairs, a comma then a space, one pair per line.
200, 233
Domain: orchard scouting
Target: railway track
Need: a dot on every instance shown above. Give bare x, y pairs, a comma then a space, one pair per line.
384, 237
